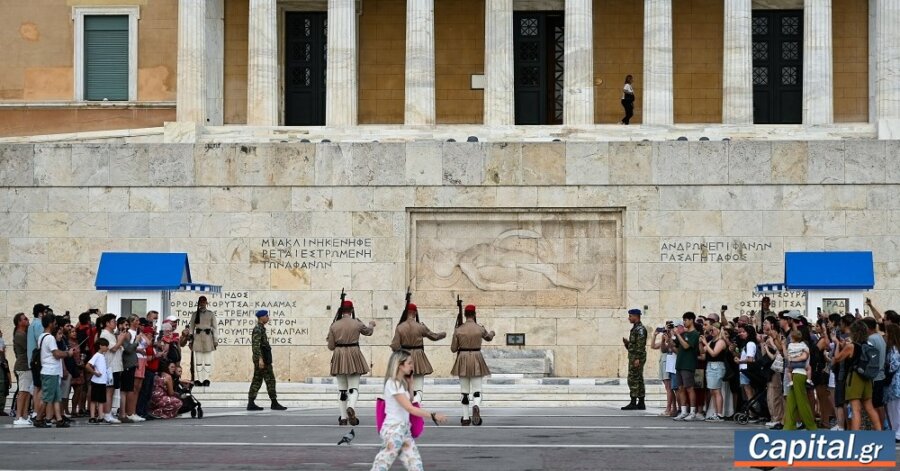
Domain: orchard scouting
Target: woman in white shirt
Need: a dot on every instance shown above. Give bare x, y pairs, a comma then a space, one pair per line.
628, 100
395, 431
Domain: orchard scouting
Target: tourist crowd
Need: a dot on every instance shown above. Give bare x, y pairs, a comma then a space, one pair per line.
105, 368
783, 370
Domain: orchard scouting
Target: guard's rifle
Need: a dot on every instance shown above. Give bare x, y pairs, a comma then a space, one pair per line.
406, 307
459, 315
338, 313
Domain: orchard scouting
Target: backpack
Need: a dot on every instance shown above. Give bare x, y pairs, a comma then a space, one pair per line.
36, 358
866, 364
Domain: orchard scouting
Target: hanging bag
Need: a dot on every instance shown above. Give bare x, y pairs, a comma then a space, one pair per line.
416, 424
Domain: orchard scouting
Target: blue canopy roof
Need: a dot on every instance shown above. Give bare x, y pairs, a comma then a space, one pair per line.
828, 270
137, 271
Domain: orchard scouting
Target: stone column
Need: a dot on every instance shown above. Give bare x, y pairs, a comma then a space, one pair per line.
420, 100
262, 64
737, 67
215, 62
341, 81
658, 89
191, 80
887, 69
499, 88
578, 75
818, 67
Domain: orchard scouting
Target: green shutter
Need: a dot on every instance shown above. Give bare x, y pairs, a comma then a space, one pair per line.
106, 57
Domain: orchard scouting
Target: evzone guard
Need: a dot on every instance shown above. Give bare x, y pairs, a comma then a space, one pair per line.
470, 366
410, 336
348, 362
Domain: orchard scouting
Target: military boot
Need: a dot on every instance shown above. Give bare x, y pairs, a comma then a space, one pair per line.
631, 405
251, 405
277, 406
640, 404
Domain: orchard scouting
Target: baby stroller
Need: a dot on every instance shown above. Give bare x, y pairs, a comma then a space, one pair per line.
759, 381
189, 403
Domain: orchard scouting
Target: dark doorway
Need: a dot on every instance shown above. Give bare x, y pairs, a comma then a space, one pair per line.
777, 66
304, 68
539, 48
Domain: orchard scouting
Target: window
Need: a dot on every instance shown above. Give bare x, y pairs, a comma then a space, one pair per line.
106, 53
133, 306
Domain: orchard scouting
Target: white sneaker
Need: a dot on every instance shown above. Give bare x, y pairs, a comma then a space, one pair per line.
837, 428
111, 420
714, 418
692, 417
22, 421
32, 416
136, 418
680, 416
770, 424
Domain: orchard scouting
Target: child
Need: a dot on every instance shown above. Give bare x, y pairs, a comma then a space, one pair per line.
99, 372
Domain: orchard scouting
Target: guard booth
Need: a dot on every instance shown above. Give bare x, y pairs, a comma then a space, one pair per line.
137, 282
834, 281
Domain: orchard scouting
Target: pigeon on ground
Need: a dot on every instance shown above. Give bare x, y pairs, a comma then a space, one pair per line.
348, 437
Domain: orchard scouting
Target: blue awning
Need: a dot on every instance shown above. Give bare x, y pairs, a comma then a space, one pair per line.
770, 288
829, 270
139, 271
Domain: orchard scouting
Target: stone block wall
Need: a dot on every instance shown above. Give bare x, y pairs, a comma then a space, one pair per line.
702, 223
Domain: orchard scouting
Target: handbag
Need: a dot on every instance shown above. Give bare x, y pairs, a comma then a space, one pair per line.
778, 364
416, 424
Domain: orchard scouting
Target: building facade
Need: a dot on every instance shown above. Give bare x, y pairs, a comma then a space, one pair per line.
457, 147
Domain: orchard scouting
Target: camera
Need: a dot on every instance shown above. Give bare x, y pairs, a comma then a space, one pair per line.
724, 307
670, 325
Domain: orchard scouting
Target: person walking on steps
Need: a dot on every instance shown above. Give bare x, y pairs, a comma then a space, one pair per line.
470, 365
628, 100
348, 362
262, 364
636, 344
410, 336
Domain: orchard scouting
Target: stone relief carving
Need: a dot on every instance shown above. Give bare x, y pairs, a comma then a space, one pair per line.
517, 252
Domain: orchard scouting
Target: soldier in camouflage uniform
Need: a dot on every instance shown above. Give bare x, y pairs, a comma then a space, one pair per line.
262, 364
636, 345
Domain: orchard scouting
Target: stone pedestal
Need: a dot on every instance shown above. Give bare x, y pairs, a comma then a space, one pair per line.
658, 89
192, 66
341, 83
578, 78
818, 68
262, 64
499, 96
529, 363
737, 73
420, 98
887, 68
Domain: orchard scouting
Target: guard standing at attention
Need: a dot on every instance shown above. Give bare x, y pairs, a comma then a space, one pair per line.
348, 362
262, 364
204, 342
470, 365
410, 336
636, 344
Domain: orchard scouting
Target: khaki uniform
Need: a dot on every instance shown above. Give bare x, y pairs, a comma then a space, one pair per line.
204, 343
410, 335
343, 340
467, 346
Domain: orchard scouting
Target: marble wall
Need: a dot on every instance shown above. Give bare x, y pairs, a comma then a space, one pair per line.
286, 226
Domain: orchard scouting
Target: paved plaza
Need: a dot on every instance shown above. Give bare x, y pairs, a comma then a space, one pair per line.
511, 439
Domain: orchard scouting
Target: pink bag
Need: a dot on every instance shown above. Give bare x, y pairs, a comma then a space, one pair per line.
416, 424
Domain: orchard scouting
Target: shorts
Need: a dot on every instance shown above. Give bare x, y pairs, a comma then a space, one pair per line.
127, 384
687, 378
117, 380
142, 366
98, 392
26, 382
858, 388
878, 393
36, 381
50, 391
715, 372
674, 381
744, 379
